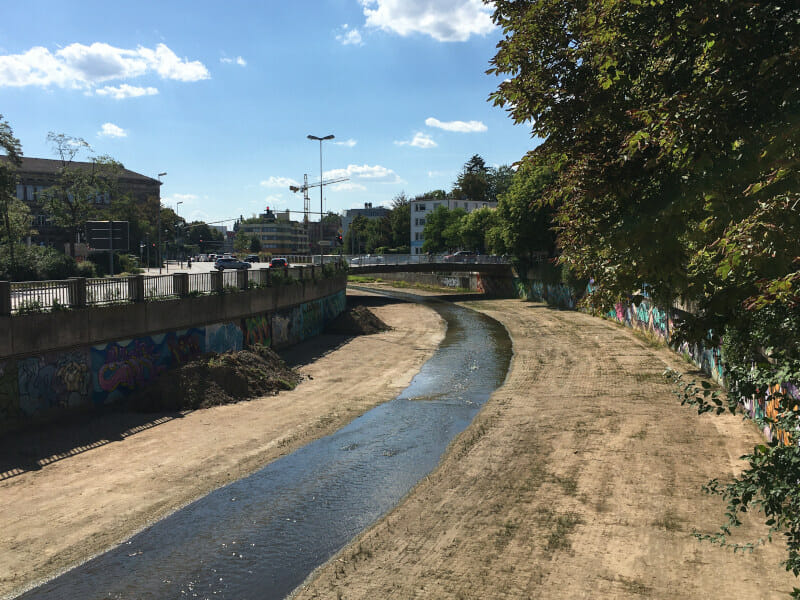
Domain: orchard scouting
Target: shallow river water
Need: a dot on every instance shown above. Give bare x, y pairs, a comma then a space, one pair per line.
260, 537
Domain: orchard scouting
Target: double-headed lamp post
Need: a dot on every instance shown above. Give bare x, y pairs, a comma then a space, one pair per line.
160, 175
320, 140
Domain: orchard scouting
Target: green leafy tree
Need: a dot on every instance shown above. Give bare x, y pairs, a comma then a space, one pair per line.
473, 181
474, 228
15, 215
524, 227
80, 190
499, 180
442, 230
673, 132
356, 237
400, 221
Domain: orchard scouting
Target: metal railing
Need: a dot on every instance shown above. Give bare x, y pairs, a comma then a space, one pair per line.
40, 296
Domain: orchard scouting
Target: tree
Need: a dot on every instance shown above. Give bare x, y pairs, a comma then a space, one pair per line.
473, 181
15, 215
474, 227
443, 229
78, 188
400, 221
524, 227
356, 236
499, 180
673, 132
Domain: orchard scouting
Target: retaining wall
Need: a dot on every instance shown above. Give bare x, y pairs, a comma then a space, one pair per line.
491, 285
53, 363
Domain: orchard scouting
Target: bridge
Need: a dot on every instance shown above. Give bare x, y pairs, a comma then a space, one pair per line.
492, 266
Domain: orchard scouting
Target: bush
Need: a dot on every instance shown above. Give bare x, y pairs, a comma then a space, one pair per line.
36, 263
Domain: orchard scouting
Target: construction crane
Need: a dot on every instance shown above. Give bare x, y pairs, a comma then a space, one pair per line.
306, 186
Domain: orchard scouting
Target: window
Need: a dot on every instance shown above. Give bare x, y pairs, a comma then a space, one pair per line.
420, 208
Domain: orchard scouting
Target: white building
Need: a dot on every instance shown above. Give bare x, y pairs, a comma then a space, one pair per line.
420, 209
370, 212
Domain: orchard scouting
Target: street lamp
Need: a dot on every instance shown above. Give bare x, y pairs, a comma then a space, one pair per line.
177, 204
320, 140
160, 175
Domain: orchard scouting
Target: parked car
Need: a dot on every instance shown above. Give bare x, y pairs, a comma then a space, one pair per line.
462, 256
278, 263
367, 260
230, 263
251, 258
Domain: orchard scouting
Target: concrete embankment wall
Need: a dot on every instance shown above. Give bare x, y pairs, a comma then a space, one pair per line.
656, 321
475, 282
52, 363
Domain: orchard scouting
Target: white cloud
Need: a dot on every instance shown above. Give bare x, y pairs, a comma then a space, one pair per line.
375, 173
349, 37
180, 198
278, 182
238, 60
348, 186
274, 200
79, 66
443, 20
125, 91
420, 140
349, 143
459, 126
113, 131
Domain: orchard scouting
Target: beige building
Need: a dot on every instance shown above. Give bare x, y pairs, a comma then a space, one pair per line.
278, 234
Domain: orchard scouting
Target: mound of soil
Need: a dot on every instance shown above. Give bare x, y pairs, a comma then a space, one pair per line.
215, 379
357, 320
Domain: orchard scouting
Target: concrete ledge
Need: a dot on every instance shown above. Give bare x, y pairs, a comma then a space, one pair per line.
46, 332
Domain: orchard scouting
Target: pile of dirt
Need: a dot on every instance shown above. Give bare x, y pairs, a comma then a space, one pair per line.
215, 379
357, 320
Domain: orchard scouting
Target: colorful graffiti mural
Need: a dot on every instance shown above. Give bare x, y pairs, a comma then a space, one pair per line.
54, 380
554, 294
105, 373
120, 367
256, 330
223, 337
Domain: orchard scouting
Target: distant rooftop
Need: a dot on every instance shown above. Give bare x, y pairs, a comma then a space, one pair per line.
48, 166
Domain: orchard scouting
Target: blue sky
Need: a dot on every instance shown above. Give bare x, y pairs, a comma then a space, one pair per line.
221, 95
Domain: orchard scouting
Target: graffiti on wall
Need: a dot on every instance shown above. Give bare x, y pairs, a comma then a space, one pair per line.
313, 318
53, 380
223, 337
554, 294
256, 330
9, 390
104, 373
120, 367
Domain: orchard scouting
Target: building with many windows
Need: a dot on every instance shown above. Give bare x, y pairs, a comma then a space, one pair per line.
369, 212
421, 208
278, 234
38, 174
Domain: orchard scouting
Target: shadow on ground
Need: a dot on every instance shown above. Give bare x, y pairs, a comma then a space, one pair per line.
32, 448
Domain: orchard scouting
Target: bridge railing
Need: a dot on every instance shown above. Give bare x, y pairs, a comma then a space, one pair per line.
22, 297
357, 260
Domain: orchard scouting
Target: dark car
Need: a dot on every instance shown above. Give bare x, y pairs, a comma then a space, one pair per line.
230, 263
278, 263
464, 256
251, 258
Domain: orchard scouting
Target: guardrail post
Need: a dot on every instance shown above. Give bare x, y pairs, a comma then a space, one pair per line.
314, 272
5, 298
266, 279
77, 292
286, 272
136, 288
216, 281
180, 284
241, 279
